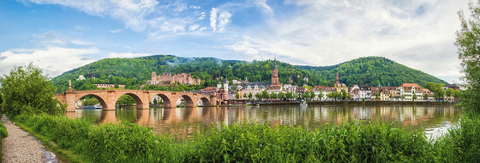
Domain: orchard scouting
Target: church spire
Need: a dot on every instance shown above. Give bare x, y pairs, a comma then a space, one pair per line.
337, 81
275, 63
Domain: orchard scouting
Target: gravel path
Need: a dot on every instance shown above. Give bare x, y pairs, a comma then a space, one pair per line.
20, 146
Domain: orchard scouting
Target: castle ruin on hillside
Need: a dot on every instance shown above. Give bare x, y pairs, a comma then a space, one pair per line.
167, 78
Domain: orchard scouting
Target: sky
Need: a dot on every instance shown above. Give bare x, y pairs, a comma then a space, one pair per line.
60, 35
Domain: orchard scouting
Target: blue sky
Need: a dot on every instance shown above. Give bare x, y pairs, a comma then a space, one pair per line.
59, 35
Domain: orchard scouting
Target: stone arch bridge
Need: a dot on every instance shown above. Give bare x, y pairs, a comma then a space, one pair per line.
109, 97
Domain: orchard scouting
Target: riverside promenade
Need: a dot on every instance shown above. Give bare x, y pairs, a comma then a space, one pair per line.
20, 146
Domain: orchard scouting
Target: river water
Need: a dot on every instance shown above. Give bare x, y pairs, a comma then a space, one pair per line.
184, 122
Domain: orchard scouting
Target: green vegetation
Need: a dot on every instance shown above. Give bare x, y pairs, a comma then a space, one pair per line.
90, 101
3, 134
26, 91
134, 72
246, 142
468, 45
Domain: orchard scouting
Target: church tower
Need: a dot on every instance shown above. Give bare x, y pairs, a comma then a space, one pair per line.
275, 73
337, 81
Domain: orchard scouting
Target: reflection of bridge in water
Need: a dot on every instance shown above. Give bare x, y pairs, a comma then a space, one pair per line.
183, 122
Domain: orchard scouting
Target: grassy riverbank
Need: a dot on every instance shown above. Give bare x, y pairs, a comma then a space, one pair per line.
371, 142
3, 134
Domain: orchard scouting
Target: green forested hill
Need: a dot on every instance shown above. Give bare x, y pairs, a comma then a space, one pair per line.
134, 72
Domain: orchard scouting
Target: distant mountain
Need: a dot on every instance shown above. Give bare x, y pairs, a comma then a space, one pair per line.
133, 72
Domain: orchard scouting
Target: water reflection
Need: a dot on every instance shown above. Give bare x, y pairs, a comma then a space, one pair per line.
184, 122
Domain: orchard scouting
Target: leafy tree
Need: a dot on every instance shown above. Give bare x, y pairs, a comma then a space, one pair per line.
414, 97
1, 100
435, 95
289, 95
237, 96
273, 95
90, 101
155, 102
281, 95
116, 86
265, 94
26, 91
258, 96
430, 86
425, 96
306, 95
450, 92
245, 95
403, 97
390, 96
320, 95
312, 94
349, 96
344, 95
126, 100
457, 93
377, 96
250, 95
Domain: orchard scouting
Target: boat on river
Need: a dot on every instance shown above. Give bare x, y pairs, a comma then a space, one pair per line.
92, 107
303, 103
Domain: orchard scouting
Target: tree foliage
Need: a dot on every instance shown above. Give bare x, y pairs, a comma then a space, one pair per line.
26, 91
468, 45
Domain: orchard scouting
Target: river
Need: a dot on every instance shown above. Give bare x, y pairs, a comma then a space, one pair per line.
184, 122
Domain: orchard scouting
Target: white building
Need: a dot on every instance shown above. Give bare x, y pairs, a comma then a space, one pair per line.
81, 77
409, 89
365, 92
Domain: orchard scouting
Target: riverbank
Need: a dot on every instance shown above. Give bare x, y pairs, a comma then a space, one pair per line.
247, 142
20, 146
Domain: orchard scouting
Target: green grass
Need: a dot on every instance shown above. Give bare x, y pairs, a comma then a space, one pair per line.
250, 142
3, 134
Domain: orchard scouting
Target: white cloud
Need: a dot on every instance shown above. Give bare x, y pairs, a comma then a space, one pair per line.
417, 33
49, 38
193, 27
263, 4
223, 19
81, 27
213, 18
130, 12
194, 7
201, 29
53, 60
202, 17
127, 55
115, 31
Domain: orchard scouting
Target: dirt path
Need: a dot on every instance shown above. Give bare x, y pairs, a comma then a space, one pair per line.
20, 146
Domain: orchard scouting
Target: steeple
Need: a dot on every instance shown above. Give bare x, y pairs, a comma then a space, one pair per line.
275, 63
337, 81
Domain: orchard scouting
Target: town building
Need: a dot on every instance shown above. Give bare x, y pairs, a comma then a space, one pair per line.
355, 92
81, 77
340, 86
365, 93
409, 89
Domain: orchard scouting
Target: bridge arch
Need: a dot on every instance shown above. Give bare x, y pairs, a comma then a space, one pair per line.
167, 102
138, 100
100, 99
205, 101
188, 101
